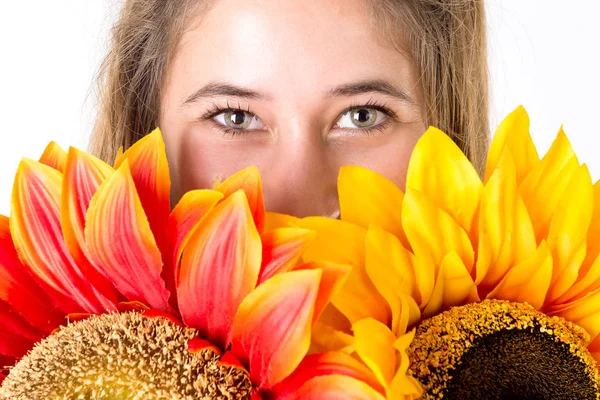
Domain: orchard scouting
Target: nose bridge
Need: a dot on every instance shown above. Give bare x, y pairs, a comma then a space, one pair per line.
299, 180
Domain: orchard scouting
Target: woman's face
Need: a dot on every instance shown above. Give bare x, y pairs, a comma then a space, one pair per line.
297, 88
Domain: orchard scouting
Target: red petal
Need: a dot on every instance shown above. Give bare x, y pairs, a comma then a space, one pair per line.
37, 233
272, 328
126, 306
150, 171
16, 335
54, 156
249, 181
121, 242
196, 345
19, 290
151, 313
192, 207
219, 267
82, 177
282, 248
333, 375
230, 360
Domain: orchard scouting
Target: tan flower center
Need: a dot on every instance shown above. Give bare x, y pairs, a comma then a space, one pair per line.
502, 350
123, 356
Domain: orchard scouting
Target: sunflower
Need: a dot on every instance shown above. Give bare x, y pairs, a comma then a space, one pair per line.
457, 270
105, 292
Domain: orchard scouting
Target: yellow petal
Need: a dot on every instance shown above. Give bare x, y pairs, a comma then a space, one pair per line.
527, 282
344, 243
584, 312
568, 231
513, 134
454, 286
433, 234
593, 241
367, 198
588, 281
404, 385
506, 235
543, 188
442, 173
391, 269
374, 344
276, 220
327, 338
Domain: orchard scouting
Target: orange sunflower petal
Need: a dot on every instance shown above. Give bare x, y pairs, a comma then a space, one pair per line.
147, 160
513, 134
36, 230
329, 364
186, 215
344, 243
282, 249
54, 156
83, 174
367, 198
332, 278
219, 267
272, 328
119, 239
436, 165
249, 181
19, 289
333, 387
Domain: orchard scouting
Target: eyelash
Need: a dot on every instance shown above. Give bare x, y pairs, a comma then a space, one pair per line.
230, 132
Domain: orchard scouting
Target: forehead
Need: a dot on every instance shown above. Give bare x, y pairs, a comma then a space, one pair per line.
302, 43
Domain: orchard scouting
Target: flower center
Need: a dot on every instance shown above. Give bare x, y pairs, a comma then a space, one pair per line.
123, 356
502, 350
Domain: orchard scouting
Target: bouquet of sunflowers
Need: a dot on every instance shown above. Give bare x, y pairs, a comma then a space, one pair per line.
456, 288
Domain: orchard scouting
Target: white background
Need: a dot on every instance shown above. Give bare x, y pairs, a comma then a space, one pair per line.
543, 54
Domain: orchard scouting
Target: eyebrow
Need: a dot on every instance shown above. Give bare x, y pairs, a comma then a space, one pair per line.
214, 89
369, 86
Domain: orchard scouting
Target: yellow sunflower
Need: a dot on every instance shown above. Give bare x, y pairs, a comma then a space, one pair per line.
520, 248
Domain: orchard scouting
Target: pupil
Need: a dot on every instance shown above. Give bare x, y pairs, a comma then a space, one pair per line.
237, 118
363, 115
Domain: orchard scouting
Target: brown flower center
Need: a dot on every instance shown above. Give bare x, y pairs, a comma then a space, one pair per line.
123, 356
502, 350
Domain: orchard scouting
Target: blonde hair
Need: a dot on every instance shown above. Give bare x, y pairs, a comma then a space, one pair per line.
445, 40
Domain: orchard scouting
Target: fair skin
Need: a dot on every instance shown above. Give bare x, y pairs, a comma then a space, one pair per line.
300, 68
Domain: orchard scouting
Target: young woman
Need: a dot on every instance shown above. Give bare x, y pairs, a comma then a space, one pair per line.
298, 88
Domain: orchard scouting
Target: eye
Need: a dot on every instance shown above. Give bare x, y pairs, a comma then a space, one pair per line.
361, 118
239, 119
